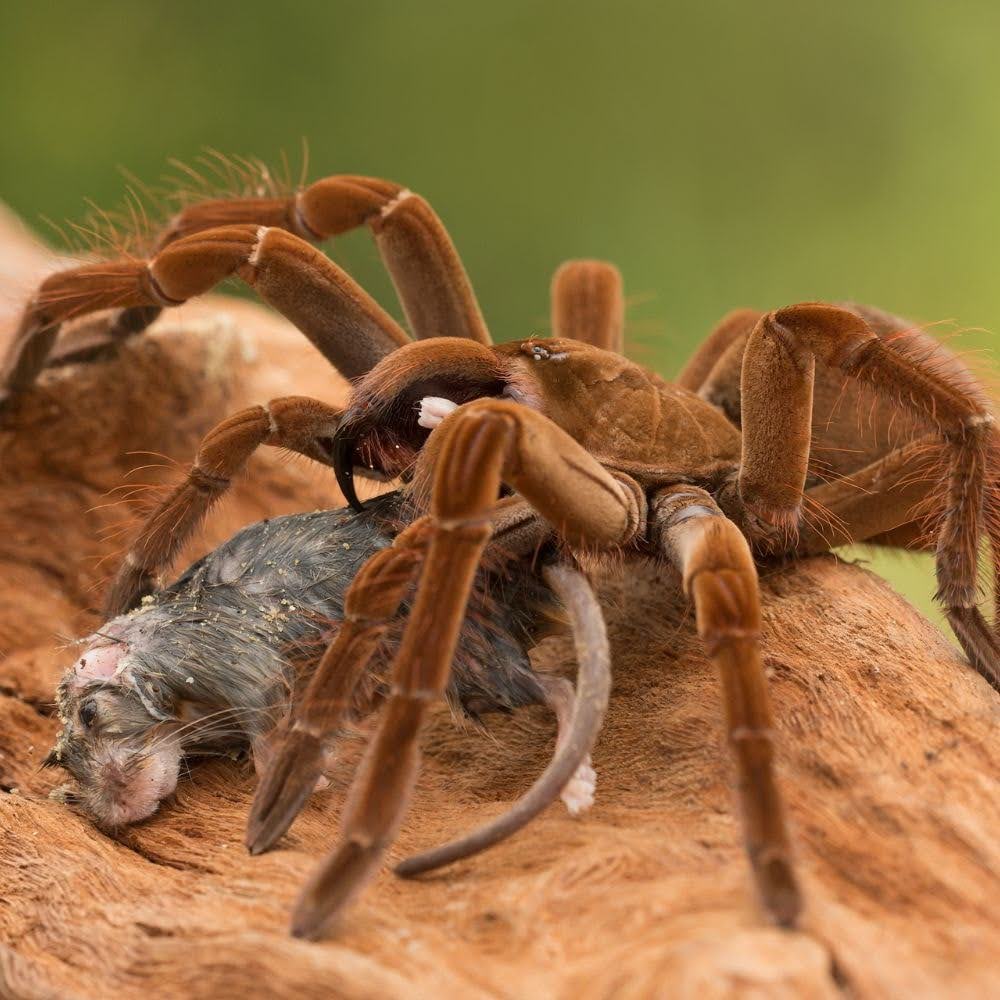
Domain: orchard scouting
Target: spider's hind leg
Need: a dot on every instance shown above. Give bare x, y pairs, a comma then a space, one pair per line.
588, 305
778, 378
713, 370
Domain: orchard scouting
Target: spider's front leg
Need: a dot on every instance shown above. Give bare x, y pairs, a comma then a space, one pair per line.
414, 245
480, 445
719, 576
349, 328
370, 604
297, 423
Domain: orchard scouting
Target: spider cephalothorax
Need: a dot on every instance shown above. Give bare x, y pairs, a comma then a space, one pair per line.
556, 443
640, 422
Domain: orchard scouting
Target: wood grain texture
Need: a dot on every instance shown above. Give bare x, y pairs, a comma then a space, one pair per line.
886, 754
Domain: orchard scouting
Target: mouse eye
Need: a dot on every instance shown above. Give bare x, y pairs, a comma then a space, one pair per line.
88, 714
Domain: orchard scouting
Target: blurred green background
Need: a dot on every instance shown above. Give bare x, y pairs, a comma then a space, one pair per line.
721, 153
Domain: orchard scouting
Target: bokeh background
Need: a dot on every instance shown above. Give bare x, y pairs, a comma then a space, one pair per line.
721, 153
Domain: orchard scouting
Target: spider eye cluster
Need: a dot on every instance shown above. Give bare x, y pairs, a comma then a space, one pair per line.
553, 351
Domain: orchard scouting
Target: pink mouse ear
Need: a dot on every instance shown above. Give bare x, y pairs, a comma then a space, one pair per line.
98, 663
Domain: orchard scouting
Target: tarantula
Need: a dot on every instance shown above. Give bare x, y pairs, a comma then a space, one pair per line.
561, 436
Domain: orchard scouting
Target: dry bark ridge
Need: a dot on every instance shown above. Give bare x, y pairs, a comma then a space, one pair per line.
886, 749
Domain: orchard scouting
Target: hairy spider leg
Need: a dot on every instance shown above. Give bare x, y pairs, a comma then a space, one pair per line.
779, 364
297, 423
587, 304
351, 330
719, 576
370, 604
484, 443
418, 253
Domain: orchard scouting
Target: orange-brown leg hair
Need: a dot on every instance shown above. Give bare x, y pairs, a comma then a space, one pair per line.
884, 500
719, 576
297, 423
777, 387
420, 257
481, 444
588, 304
576, 737
351, 330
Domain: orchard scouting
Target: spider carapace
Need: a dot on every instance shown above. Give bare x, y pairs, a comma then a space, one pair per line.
558, 445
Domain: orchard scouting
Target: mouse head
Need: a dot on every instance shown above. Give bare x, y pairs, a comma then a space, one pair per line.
119, 740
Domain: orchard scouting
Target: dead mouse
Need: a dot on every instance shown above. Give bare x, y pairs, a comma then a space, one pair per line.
209, 665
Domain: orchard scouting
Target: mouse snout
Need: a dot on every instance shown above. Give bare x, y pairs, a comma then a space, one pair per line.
128, 785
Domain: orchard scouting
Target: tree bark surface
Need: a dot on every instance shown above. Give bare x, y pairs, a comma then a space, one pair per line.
886, 755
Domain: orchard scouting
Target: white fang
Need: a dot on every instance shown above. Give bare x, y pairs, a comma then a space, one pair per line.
433, 409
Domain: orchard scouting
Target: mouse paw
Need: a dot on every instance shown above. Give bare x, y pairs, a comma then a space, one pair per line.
578, 795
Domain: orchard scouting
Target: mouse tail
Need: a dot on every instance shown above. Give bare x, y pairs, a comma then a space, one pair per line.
579, 713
